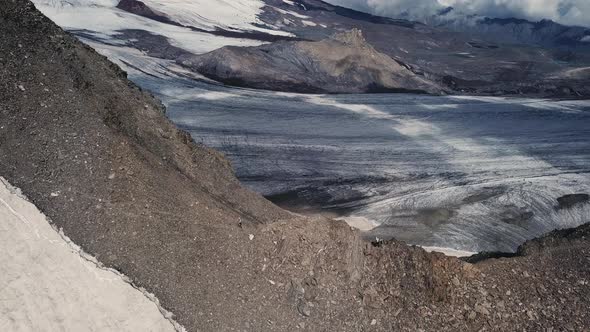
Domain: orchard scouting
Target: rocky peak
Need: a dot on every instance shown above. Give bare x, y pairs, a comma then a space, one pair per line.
352, 37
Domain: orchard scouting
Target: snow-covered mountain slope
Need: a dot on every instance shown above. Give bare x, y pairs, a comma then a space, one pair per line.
241, 15
102, 19
237, 14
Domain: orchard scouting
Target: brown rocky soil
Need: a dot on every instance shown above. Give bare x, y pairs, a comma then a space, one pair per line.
98, 157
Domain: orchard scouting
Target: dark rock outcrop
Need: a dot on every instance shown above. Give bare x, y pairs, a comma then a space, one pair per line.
569, 201
139, 8
557, 239
554, 240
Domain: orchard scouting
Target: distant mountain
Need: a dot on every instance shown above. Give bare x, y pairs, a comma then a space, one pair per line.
544, 33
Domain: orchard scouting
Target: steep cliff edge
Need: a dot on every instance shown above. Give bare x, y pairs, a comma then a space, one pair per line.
98, 157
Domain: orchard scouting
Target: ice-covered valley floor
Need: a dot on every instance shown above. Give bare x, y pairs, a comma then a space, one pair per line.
468, 173
458, 172
49, 285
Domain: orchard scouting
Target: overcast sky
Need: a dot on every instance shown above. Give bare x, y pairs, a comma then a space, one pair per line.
571, 12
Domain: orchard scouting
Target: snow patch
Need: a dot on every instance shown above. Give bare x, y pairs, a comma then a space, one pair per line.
450, 252
288, 12
78, 294
101, 18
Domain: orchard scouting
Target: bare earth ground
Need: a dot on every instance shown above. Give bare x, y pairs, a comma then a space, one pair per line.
98, 157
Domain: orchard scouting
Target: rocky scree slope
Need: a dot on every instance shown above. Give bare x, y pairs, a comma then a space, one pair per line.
343, 63
98, 157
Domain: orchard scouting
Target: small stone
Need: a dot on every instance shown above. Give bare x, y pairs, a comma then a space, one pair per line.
526, 274
471, 315
301, 325
480, 309
272, 282
373, 322
111, 176
306, 261
296, 291
21, 87
251, 237
531, 315
304, 308
54, 194
372, 299
456, 282
508, 293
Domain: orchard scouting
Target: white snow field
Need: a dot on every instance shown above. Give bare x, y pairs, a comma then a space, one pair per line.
238, 15
102, 19
208, 15
48, 284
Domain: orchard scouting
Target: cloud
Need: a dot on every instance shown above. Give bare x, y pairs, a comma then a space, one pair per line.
570, 12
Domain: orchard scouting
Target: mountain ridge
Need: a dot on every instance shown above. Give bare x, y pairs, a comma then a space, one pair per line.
342, 63
544, 33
